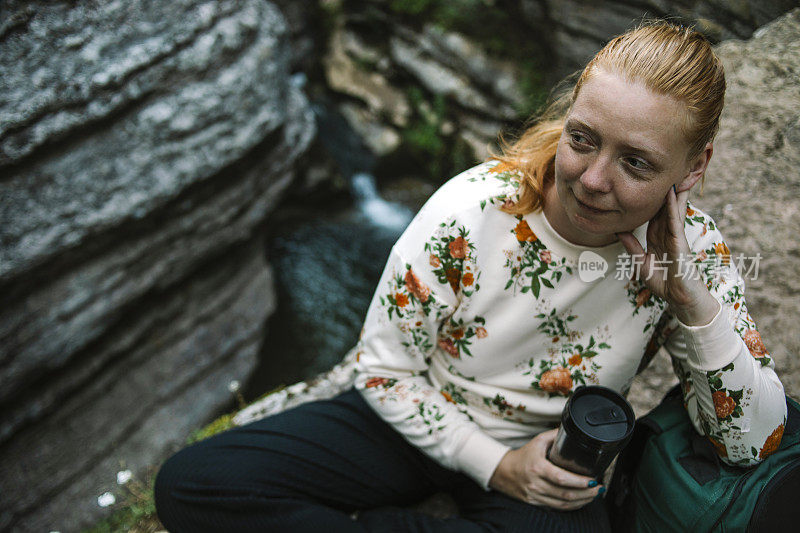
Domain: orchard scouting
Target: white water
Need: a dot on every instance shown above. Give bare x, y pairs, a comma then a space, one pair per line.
385, 214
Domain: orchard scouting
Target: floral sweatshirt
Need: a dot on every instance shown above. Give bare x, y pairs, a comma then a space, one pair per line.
482, 325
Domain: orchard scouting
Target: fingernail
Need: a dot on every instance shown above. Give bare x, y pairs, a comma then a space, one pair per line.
601, 490
592, 483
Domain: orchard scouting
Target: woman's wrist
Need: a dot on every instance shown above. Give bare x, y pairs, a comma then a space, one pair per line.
699, 312
500, 479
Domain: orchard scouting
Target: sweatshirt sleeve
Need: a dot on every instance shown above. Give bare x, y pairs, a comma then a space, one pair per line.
414, 297
728, 379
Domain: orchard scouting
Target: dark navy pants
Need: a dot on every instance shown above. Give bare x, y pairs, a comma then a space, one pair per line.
309, 469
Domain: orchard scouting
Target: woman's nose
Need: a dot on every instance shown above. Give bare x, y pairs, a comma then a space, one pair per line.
597, 177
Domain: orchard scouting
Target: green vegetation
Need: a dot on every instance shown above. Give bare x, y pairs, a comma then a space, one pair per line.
441, 154
136, 511
423, 135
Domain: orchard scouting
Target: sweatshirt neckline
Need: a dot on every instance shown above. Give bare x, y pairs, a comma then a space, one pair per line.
554, 242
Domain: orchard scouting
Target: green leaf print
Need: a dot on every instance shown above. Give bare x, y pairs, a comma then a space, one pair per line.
456, 335
532, 265
454, 394
430, 415
452, 258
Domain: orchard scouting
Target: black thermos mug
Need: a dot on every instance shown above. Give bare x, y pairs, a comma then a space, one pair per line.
596, 423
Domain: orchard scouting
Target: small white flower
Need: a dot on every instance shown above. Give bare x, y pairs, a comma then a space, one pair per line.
123, 476
106, 499
233, 386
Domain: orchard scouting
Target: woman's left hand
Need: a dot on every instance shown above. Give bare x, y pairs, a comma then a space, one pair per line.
667, 267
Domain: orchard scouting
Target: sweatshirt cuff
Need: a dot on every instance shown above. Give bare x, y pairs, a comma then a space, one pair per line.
479, 456
713, 345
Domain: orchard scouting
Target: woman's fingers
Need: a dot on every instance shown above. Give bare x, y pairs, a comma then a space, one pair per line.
552, 474
562, 505
631, 243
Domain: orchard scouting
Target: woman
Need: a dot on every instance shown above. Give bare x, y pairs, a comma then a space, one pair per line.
483, 323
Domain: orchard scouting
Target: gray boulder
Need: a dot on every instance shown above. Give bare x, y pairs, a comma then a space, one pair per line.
751, 191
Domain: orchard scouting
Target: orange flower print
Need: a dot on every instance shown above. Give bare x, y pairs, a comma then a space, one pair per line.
524, 232
722, 451
468, 279
416, 287
555, 339
434, 261
575, 360
705, 229
447, 397
723, 404
690, 212
457, 334
772, 443
546, 257
458, 247
642, 297
448, 346
376, 382
721, 249
453, 276
481, 332
701, 256
556, 380
401, 299
752, 338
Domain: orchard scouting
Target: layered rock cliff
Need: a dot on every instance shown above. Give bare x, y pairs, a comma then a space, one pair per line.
142, 146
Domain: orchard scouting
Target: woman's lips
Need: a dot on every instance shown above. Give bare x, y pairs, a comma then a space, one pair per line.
589, 208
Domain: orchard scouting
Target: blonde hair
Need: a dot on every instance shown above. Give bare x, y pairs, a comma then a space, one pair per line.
667, 58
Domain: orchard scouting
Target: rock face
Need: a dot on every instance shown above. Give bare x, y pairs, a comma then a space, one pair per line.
573, 30
141, 149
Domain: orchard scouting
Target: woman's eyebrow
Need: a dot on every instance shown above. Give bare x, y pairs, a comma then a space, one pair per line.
572, 122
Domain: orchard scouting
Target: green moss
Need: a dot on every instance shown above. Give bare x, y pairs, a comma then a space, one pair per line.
423, 136
411, 7
531, 84
217, 426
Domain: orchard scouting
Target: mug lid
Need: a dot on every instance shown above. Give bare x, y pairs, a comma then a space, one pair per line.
601, 415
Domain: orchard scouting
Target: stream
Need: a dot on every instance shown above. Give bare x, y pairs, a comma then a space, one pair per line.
326, 266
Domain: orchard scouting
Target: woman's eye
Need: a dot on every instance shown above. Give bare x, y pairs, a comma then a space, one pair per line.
579, 138
637, 163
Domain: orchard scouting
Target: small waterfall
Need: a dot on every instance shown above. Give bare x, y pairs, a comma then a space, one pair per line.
326, 265
388, 215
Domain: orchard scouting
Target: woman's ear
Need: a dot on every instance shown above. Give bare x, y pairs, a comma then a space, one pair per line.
697, 168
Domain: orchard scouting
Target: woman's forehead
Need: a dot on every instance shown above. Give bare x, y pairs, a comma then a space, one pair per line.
630, 113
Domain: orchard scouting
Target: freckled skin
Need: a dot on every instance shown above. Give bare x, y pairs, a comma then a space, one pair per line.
621, 150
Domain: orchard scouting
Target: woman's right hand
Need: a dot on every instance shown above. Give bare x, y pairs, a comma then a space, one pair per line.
526, 474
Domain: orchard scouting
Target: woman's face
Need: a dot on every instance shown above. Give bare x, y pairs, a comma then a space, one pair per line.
621, 151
